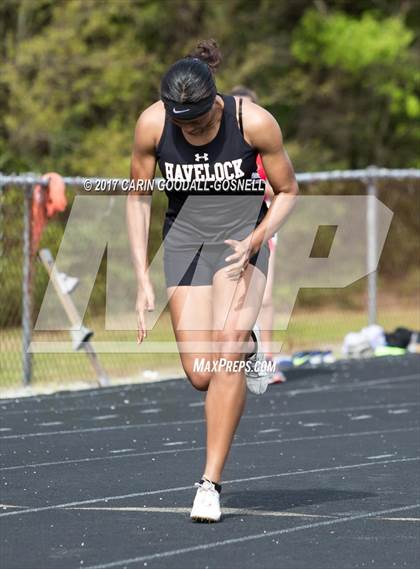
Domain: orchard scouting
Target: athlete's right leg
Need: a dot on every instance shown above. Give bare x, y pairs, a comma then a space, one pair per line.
191, 308
191, 315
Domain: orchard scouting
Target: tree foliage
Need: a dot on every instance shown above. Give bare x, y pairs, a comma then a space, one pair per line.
341, 77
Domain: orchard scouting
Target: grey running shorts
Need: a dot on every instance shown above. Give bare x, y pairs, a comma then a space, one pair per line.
192, 267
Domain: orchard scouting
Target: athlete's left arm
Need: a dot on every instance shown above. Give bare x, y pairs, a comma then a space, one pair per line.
265, 135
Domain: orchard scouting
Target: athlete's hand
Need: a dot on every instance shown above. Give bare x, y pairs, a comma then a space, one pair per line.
239, 259
145, 301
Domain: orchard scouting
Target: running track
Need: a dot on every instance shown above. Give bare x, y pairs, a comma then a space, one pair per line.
324, 473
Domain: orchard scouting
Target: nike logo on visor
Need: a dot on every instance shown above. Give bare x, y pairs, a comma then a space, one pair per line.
181, 111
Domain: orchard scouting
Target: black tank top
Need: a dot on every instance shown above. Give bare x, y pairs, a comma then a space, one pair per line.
215, 214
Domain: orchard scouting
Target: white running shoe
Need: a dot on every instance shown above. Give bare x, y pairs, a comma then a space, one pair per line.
206, 506
256, 374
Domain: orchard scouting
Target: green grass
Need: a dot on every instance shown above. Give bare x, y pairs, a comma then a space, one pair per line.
64, 367
315, 328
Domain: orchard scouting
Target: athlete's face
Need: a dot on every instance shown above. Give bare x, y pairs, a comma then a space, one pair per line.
199, 125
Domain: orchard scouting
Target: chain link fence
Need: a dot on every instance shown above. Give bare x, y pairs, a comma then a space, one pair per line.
24, 281
388, 296
320, 319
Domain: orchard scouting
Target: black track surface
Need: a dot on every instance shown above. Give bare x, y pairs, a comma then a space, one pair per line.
323, 473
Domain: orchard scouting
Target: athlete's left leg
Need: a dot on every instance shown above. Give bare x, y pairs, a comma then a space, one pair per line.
266, 315
236, 305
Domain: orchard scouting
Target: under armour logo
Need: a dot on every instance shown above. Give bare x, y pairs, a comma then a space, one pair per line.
199, 157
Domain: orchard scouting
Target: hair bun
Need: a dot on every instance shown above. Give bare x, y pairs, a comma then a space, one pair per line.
208, 51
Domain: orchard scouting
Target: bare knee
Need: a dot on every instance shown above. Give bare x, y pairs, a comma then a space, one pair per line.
230, 343
199, 379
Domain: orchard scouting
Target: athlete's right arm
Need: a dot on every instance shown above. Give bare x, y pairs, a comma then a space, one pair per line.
143, 166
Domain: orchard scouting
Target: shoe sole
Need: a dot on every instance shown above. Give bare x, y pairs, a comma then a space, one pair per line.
201, 520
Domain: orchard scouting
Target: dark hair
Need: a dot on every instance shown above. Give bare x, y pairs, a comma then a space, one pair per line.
240, 91
208, 51
191, 79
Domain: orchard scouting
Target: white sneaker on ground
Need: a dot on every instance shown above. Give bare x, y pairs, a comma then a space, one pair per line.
256, 374
206, 506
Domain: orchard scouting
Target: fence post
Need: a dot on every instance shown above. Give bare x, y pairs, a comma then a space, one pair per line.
27, 286
372, 245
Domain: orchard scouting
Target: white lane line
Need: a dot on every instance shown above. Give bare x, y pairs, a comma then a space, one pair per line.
101, 429
225, 483
197, 421
370, 383
360, 417
193, 449
94, 393
121, 450
238, 511
400, 519
50, 424
381, 456
245, 538
268, 415
88, 392
398, 411
115, 407
93, 408
285, 392
7, 506
392, 387
175, 443
103, 417
390, 406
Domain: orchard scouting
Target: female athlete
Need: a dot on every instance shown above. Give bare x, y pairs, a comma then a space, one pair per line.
215, 241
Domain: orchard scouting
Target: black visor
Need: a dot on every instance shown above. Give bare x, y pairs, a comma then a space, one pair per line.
188, 111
